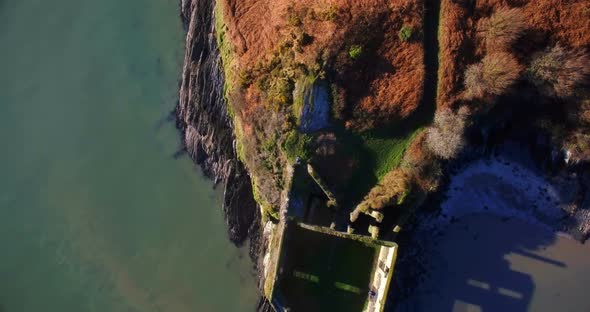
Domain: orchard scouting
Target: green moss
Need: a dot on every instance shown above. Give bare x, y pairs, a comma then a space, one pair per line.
303, 87
225, 52
240, 150
297, 145
266, 208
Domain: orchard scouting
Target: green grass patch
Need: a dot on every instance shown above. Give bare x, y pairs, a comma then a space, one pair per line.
387, 151
303, 87
376, 153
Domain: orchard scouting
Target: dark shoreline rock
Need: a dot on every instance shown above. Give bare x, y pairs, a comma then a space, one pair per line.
206, 127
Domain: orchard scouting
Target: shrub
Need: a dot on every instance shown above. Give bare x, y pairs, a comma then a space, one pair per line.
355, 51
578, 147
422, 165
280, 91
493, 76
393, 189
297, 145
405, 33
502, 28
557, 71
445, 138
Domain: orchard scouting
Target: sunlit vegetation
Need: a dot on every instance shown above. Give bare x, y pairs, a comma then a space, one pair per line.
355, 51
492, 76
392, 189
557, 71
502, 28
445, 137
297, 145
405, 33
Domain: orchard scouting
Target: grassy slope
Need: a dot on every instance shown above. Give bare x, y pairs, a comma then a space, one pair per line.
377, 151
225, 51
381, 150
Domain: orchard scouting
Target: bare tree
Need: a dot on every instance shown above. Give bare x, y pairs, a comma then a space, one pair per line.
502, 28
496, 72
557, 71
445, 137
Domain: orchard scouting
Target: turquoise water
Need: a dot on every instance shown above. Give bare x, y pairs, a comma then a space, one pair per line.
95, 213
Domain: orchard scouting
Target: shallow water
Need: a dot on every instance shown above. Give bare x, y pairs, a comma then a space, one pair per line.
95, 213
490, 263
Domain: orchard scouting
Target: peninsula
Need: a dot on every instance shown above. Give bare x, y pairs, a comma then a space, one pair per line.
339, 128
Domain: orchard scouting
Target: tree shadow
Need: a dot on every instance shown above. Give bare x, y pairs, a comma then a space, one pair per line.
477, 265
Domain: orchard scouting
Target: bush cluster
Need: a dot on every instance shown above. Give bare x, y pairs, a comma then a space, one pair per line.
492, 76
557, 71
502, 28
297, 145
445, 138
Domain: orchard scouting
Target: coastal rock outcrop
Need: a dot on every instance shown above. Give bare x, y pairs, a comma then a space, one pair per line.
206, 127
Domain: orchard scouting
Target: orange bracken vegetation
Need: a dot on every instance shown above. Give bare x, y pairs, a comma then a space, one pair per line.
385, 83
456, 50
547, 23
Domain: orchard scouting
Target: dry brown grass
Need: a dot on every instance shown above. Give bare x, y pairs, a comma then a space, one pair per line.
492, 76
445, 138
502, 28
558, 72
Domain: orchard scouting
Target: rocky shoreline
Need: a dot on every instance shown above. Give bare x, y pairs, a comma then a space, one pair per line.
555, 205
207, 129
208, 137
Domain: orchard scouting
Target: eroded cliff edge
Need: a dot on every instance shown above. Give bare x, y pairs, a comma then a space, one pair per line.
206, 127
